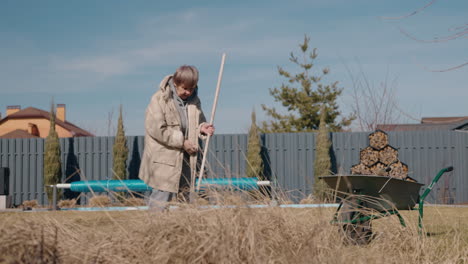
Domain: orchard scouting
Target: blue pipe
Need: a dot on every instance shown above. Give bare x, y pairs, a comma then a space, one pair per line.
110, 186
139, 186
245, 184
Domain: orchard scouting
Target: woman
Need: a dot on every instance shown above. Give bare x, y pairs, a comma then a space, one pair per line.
174, 122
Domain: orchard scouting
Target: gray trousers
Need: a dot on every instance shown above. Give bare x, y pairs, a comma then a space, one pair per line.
159, 200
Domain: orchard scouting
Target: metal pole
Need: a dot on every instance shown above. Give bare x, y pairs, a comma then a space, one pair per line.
54, 197
213, 111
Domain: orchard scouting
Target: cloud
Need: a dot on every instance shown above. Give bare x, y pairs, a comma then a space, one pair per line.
102, 65
172, 39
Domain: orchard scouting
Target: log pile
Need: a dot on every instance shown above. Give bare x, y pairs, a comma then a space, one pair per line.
369, 156
381, 159
398, 170
379, 169
360, 169
388, 155
378, 140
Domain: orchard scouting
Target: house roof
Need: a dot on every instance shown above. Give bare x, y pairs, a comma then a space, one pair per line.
18, 133
430, 123
412, 127
32, 112
444, 120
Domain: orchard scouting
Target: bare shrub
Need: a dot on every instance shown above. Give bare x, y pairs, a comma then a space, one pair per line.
308, 200
29, 204
134, 201
201, 201
67, 203
100, 201
233, 199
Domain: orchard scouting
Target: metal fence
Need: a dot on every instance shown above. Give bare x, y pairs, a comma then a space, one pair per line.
288, 160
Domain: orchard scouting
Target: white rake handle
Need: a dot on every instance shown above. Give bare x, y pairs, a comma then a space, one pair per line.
213, 111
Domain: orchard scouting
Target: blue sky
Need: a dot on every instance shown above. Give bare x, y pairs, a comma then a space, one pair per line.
94, 55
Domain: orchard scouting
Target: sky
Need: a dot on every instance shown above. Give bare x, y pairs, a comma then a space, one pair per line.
96, 55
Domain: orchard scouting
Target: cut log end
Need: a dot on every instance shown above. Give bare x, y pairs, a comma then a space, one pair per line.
379, 169
398, 170
388, 155
360, 169
369, 156
378, 139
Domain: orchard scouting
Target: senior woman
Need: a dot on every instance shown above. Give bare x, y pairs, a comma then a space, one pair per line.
174, 122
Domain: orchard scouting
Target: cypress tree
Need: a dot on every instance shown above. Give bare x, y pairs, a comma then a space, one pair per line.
254, 158
120, 151
52, 162
301, 95
322, 163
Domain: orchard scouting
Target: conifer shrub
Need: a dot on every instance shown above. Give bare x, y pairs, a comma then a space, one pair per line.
120, 151
52, 162
322, 163
254, 166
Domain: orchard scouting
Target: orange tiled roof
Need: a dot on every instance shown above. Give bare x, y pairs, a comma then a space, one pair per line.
32, 112
18, 133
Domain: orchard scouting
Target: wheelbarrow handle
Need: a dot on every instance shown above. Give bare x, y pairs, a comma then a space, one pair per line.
434, 181
427, 191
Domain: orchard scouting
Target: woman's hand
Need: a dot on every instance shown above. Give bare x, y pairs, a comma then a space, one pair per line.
190, 148
207, 129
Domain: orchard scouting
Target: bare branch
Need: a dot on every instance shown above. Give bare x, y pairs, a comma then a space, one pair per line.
373, 104
435, 40
449, 69
410, 14
411, 117
460, 32
456, 28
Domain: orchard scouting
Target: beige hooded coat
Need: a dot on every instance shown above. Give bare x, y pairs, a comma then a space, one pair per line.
163, 155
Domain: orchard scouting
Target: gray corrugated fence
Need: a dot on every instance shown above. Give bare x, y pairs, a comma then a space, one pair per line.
288, 159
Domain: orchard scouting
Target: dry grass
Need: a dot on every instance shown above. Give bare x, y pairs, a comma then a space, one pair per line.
29, 204
67, 203
100, 201
241, 235
134, 201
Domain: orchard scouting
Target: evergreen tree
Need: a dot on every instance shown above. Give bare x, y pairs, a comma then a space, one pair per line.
322, 163
52, 162
302, 96
254, 158
120, 151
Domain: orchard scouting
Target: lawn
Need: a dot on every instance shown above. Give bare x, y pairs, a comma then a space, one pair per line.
241, 235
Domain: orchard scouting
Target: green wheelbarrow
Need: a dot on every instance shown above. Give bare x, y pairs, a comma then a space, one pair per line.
368, 197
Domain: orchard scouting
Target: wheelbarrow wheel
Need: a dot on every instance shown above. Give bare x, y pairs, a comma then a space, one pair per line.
355, 230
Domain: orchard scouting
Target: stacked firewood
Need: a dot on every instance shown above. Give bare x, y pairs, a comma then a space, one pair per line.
379, 158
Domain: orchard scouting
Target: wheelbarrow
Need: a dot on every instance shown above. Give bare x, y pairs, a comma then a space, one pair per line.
368, 197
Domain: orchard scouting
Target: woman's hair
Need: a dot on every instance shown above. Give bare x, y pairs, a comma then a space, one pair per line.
187, 76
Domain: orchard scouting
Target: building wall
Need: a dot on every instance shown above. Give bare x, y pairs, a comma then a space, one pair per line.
42, 124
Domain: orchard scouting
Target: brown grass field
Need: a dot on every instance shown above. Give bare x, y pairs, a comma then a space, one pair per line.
240, 235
